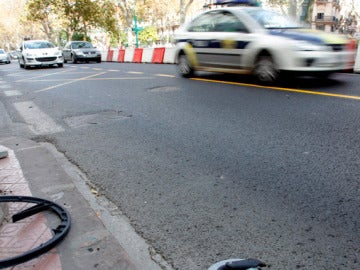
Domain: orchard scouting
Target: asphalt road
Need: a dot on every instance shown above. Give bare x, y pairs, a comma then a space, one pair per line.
208, 168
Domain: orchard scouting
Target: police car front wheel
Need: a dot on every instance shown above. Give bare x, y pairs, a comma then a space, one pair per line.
184, 66
265, 70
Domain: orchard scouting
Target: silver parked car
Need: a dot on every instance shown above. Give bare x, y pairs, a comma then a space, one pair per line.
39, 53
4, 57
81, 51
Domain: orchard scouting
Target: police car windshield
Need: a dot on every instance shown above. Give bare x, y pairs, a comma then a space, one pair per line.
272, 20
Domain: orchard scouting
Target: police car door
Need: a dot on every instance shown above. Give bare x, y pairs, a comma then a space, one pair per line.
232, 38
218, 38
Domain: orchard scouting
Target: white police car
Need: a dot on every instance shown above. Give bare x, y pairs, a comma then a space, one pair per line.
252, 40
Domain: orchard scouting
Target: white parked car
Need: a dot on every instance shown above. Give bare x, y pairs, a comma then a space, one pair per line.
252, 40
4, 57
39, 53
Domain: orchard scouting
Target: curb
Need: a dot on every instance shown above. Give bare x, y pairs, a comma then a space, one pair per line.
31, 169
3, 207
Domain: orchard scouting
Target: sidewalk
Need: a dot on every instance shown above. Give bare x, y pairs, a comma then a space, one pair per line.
31, 169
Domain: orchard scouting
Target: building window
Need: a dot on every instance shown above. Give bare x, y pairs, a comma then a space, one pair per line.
320, 16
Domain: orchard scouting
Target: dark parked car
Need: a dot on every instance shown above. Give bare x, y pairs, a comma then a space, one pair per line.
81, 51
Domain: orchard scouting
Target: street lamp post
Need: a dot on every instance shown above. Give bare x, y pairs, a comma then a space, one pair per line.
136, 29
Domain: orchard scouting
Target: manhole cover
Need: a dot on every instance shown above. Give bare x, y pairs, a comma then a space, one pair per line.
95, 119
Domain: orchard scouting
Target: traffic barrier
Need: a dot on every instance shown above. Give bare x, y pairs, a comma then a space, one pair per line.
121, 56
104, 55
357, 61
351, 47
138, 55
169, 56
129, 55
147, 55
109, 55
158, 56
115, 55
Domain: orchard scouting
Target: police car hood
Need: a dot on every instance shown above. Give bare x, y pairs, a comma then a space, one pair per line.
308, 35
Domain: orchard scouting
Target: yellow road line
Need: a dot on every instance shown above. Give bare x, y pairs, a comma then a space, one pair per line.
282, 89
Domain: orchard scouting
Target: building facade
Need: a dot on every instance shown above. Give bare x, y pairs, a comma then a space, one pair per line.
326, 15
340, 16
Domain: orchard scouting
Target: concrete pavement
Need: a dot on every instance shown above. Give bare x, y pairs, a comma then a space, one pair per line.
99, 232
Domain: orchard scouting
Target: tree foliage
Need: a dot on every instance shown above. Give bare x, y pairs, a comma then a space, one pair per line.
148, 35
61, 20
72, 16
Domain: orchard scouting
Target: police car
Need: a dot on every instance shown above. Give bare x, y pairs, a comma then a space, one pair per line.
253, 40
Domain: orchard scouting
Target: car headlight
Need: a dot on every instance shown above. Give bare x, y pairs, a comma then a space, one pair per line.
308, 46
79, 53
57, 53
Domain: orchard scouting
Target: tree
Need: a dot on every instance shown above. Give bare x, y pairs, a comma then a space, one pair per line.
72, 16
148, 35
41, 11
184, 7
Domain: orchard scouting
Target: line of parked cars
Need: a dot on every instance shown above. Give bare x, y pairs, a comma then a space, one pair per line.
37, 53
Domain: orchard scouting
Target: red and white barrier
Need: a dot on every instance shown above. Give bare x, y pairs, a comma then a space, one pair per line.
159, 55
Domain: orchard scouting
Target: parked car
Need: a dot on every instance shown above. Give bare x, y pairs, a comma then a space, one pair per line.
252, 40
14, 55
39, 53
4, 57
81, 51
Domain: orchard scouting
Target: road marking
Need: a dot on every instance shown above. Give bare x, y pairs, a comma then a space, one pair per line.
69, 82
122, 78
135, 72
42, 76
12, 93
282, 89
40, 122
165, 75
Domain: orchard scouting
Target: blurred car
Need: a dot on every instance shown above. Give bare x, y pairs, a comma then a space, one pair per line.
13, 55
252, 40
4, 57
81, 51
39, 53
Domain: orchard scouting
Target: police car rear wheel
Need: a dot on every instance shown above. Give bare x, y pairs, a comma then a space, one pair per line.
184, 66
265, 70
